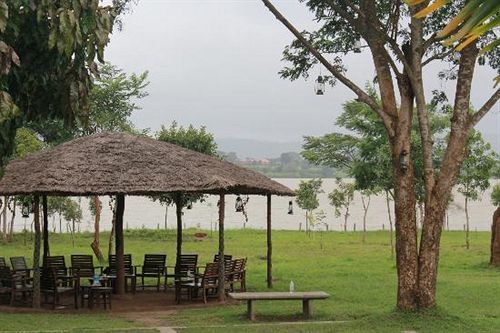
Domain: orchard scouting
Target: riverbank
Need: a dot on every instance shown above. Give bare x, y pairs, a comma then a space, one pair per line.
360, 277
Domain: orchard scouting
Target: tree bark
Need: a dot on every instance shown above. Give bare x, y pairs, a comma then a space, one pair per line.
404, 203
390, 223
36, 254
495, 239
120, 246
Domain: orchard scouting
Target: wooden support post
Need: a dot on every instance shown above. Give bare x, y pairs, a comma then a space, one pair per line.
222, 205
46, 250
119, 245
36, 254
178, 212
269, 245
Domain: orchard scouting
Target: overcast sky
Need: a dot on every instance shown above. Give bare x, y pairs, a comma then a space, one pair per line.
215, 63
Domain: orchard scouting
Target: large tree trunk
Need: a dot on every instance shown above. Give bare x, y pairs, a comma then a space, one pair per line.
495, 239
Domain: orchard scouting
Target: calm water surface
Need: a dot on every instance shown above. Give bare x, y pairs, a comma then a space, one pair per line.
141, 212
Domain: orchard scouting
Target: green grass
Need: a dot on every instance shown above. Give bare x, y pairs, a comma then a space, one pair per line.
361, 279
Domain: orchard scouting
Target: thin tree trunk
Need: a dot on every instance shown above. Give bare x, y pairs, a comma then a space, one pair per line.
96, 243
467, 234
112, 232
11, 229
36, 254
366, 205
5, 209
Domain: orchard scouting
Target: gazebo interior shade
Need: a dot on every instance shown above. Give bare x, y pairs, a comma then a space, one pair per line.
122, 163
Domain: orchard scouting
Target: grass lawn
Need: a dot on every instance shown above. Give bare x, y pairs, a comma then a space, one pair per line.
361, 279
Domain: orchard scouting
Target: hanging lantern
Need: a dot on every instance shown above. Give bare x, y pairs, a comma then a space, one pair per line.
290, 207
238, 206
25, 210
189, 205
481, 60
319, 87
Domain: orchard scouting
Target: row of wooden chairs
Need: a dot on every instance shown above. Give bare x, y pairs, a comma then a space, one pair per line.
208, 282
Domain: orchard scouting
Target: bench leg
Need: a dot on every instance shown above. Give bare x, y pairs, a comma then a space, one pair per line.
307, 308
251, 309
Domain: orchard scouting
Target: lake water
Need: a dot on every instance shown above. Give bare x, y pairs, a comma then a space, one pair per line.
141, 212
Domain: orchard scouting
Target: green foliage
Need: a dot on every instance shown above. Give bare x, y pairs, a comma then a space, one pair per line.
495, 195
476, 169
26, 143
342, 196
72, 211
307, 194
47, 51
197, 139
113, 99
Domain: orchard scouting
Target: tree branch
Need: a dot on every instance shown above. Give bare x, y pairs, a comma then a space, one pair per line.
438, 56
476, 117
362, 95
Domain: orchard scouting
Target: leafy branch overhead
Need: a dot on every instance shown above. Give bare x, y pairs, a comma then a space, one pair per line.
48, 51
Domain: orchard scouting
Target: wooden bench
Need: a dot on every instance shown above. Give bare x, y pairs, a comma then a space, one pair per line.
305, 297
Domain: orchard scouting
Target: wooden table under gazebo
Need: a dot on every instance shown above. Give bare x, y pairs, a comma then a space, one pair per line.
122, 164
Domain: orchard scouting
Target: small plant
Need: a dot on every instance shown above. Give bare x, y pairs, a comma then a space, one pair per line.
341, 199
307, 197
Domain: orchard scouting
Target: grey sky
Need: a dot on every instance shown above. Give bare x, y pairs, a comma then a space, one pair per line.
215, 63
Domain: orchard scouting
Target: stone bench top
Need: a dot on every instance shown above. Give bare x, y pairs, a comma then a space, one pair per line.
308, 295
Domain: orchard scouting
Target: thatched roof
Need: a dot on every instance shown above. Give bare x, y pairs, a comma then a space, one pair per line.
120, 163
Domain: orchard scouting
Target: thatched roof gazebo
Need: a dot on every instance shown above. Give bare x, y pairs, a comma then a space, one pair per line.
122, 164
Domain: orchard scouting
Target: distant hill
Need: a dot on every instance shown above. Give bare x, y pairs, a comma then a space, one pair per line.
257, 149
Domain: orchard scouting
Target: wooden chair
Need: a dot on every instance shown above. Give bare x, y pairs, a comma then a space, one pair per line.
2, 262
129, 270
58, 264
186, 273
208, 282
154, 266
227, 257
237, 274
19, 266
14, 283
83, 266
50, 286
